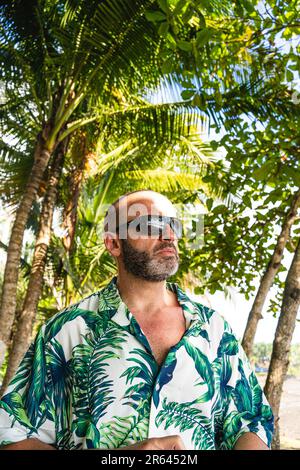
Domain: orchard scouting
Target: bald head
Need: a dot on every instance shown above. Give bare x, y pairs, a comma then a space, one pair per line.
137, 252
134, 204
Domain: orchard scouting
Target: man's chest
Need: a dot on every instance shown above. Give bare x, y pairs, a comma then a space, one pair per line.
163, 332
116, 381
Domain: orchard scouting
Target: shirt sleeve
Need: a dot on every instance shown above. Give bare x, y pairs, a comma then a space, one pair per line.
26, 409
246, 407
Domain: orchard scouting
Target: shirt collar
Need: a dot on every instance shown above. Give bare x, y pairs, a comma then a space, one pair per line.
111, 302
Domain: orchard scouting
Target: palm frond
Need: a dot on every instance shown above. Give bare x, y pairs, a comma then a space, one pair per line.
123, 431
165, 180
15, 167
61, 381
90, 366
185, 417
155, 123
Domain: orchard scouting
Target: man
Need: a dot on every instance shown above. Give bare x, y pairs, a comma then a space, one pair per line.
137, 365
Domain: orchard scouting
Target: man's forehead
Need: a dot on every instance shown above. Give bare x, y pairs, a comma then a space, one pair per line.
156, 204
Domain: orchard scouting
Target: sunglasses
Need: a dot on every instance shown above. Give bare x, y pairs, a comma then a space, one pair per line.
153, 225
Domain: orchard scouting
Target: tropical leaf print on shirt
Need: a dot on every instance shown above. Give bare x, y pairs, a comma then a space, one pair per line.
123, 431
165, 376
93, 387
31, 408
139, 394
228, 345
184, 417
204, 369
90, 380
61, 391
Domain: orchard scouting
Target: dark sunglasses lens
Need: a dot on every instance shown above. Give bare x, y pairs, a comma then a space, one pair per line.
156, 226
176, 226
159, 226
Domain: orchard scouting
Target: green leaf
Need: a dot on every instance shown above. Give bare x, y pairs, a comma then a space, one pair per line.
92, 381
292, 174
221, 209
185, 416
232, 424
209, 203
122, 431
199, 101
185, 46
171, 40
263, 172
181, 4
287, 33
266, 412
13, 404
248, 6
154, 16
289, 75
163, 29
164, 5
198, 290
187, 94
214, 144
203, 37
167, 66
247, 200
80, 426
92, 436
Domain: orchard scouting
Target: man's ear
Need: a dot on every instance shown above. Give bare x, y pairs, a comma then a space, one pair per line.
112, 244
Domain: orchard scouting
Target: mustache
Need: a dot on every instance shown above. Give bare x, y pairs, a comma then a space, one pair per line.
166, 245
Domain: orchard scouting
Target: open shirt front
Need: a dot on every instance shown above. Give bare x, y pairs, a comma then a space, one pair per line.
90, 380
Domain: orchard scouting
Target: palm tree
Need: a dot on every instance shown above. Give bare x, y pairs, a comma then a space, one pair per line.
81, 157
22, 335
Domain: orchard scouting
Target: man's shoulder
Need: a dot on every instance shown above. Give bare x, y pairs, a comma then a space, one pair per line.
209, 316
204, 313
84, 312
213, 318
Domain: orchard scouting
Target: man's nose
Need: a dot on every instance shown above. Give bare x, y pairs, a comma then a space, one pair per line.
167, 234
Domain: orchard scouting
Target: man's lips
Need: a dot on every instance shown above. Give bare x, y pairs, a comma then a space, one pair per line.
167, 251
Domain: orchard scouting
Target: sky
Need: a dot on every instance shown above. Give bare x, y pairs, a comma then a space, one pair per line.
236, 311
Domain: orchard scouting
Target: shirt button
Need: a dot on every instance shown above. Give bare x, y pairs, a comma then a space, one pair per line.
157, 387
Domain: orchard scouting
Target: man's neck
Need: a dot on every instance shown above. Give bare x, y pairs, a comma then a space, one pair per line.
141, 295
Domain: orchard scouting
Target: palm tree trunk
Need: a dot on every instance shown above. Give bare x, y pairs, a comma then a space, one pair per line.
282, 341
23, 332
8, 299
70, 212
268, 278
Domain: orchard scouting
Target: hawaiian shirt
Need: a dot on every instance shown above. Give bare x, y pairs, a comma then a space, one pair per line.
90, 380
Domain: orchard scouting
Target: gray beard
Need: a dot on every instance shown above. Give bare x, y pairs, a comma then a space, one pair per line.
140, 263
